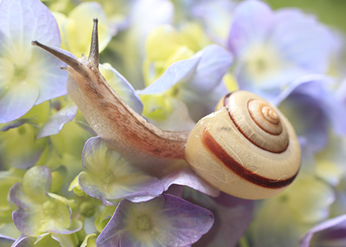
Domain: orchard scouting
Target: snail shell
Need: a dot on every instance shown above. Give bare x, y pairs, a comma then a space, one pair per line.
246, 148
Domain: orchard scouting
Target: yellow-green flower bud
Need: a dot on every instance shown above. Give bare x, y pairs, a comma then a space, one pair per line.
156, 107
57, 182
87, 209
161, 43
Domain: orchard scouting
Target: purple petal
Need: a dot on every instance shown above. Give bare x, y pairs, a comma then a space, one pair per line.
214, 15
26, 221
303, 40
17, 101
312, 106
307, 119
297, 82
14, 124
271, 86
91, 146
214, 63
175, 73
232, 218
57, 121
18, 196
252, 22
189, 178
174, 222
6, 241
332, 229
111, 178
51, 79
24, 241
24, 21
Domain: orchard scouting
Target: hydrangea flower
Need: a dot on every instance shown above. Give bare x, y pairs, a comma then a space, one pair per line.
271, 51
38, 210
28, 76
193, 81
110, 178
164, 221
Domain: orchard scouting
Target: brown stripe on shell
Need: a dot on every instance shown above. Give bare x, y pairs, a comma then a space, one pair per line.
213, 146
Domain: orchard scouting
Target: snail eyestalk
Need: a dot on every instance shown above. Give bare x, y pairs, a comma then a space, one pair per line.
94, 47
74, 63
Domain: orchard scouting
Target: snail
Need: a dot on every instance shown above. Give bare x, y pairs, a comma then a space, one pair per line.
246, 148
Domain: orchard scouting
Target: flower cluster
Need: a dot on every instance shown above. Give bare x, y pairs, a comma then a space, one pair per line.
173, 60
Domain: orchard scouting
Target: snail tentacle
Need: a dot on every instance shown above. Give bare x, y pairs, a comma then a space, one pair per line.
94, 47
74, 63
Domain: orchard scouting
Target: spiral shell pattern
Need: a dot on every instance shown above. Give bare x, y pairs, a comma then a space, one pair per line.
257, 120
246, 148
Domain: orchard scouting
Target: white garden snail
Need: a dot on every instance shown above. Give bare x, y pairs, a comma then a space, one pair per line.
246, 148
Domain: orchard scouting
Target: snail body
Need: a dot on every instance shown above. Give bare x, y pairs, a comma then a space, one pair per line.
246, 148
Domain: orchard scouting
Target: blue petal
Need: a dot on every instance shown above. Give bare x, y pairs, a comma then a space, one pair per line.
232, 217
177, 72
24, 241
326, 232
214, 15
57, 121
17, 101
6, 241
303, 40
23, 21
312, 108
214, 63
252, 21
175, 222
49, 76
